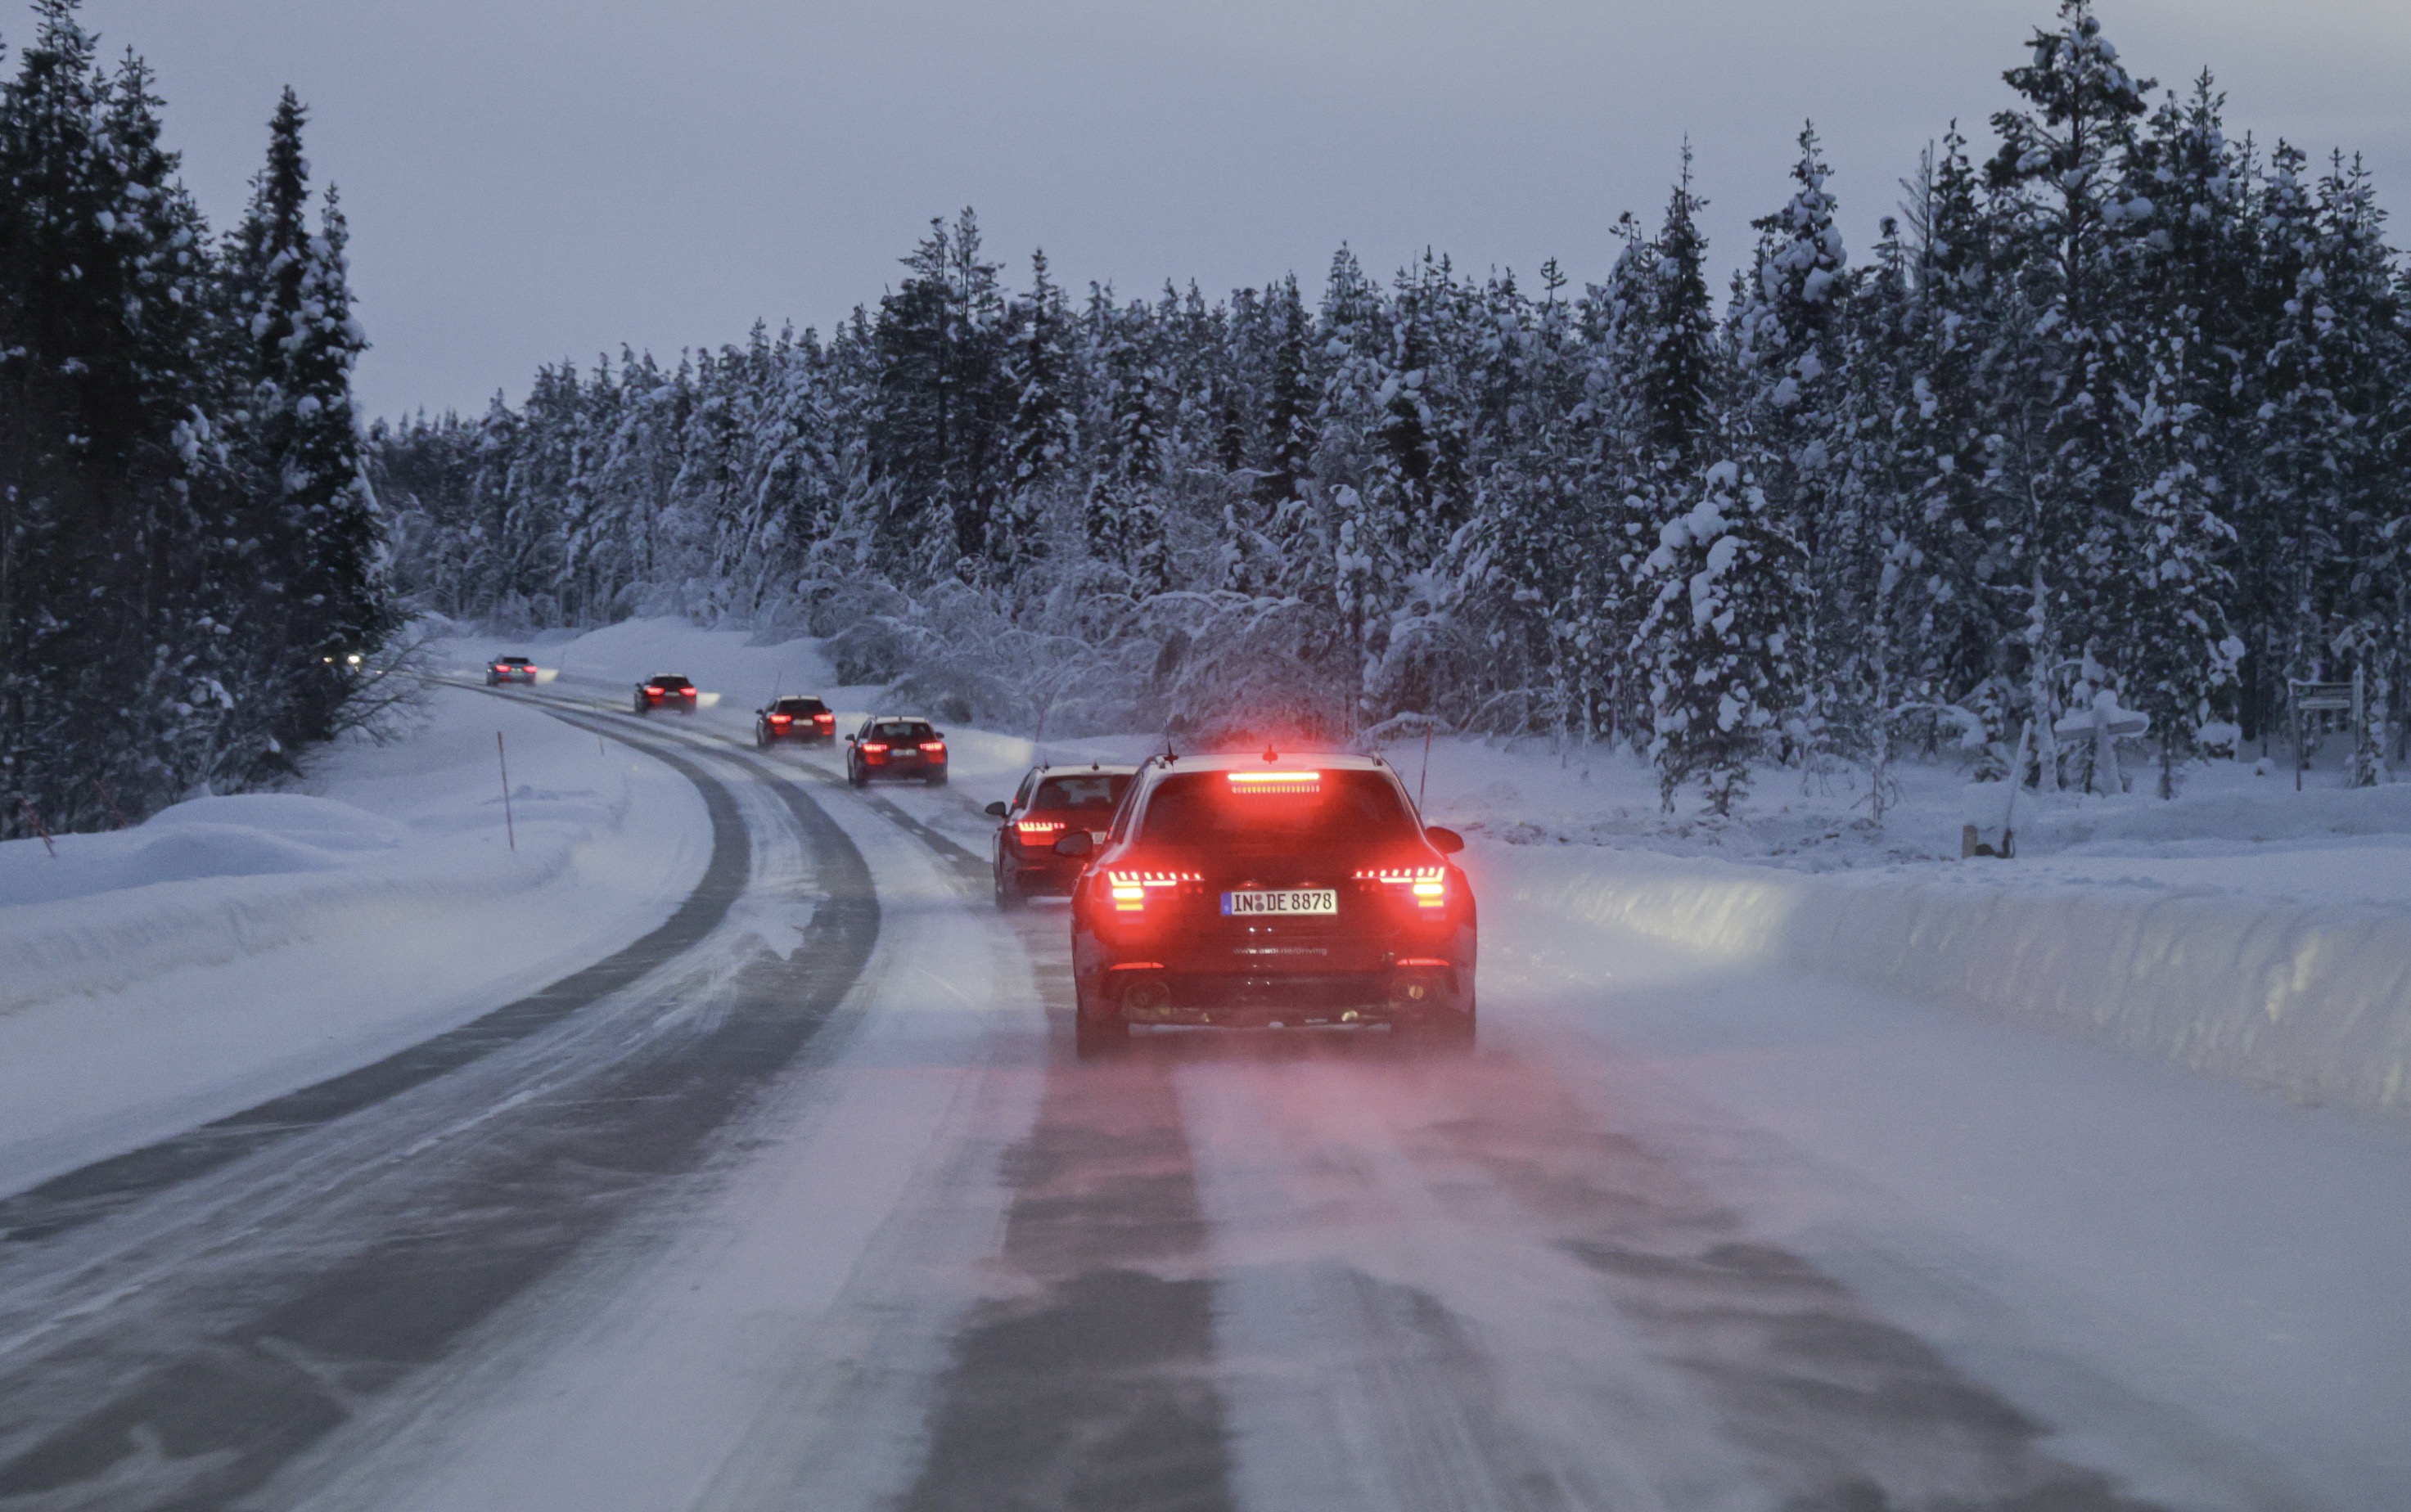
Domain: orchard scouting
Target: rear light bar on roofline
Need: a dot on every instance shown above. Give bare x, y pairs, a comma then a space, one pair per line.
1276, 783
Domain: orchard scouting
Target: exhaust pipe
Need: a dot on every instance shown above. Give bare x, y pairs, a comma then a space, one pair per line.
1147, 997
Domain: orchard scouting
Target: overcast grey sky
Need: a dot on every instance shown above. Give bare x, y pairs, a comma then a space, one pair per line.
532, 180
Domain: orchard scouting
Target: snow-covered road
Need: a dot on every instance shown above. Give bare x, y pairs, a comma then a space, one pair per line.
812, 1207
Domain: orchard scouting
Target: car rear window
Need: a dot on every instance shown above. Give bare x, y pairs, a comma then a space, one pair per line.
1098, 791
802, 705
669, 682
1208, 808
902, 730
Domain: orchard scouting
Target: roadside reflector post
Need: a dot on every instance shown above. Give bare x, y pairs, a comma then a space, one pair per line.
510, 830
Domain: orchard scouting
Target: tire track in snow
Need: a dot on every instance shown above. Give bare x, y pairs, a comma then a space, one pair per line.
214, 1382
90, 1193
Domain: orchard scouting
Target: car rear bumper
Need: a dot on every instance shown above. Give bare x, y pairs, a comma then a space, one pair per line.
1052, 875
1141, 995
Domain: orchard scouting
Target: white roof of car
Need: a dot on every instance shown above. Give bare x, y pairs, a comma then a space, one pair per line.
1315, 761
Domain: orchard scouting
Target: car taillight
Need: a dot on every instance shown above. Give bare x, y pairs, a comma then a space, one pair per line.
933, 748
686, 693
1427, 885
825, 718
782, 718
874, 748
650, 688
1128, 889
1037, 829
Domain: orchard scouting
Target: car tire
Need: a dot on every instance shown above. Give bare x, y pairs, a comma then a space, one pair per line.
856, 776
1009, 895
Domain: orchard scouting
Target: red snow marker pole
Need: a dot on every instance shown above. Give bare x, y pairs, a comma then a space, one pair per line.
34, 821
109, 798
508, 828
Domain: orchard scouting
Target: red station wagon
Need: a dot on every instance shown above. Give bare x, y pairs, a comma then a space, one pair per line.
1270, 890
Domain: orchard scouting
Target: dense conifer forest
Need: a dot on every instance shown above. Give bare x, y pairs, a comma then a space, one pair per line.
190, 558
2115, 408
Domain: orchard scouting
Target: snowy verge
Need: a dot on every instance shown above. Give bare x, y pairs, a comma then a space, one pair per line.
235, 948
2312, 1001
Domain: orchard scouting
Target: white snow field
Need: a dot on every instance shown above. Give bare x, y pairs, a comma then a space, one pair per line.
235, 948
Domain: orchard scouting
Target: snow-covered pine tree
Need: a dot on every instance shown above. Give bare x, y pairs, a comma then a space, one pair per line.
1789, 351
313, 515
937, 436
2191, 268
113, 628
1042, 432
1717, 641
1957, 631
2066, 209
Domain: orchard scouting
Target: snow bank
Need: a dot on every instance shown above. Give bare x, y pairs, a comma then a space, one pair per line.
234, 948
2313, 1001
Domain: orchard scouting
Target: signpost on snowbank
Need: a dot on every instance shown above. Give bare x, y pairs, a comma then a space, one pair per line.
2321, 697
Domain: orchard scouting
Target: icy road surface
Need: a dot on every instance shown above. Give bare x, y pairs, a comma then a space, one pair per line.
799, 1201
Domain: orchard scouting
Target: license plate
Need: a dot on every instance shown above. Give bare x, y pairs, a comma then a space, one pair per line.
1282, 900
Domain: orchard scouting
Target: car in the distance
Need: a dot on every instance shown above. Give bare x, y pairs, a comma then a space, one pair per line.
1256, 890
794, 717
505, 669
1051, 802
668, 690
891, 748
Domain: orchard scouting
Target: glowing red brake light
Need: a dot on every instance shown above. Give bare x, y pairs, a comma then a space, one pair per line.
1427, 885
1037, 829
653, 690
935, 748
1296, 784
825, 718
874, 748
1128, 889
686, 693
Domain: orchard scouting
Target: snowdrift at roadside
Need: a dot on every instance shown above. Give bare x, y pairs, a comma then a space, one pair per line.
2313, 1001
234, 948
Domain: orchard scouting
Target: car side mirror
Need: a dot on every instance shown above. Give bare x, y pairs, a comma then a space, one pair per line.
1078, 843
849, 740
1447, 842
996, 810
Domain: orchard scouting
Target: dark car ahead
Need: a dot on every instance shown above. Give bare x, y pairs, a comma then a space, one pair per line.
1052, 802
888, 748
807, 720
505, 669
1257, 890
667, 691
